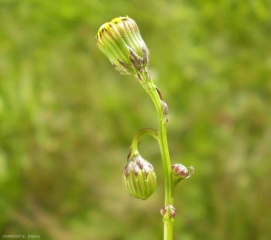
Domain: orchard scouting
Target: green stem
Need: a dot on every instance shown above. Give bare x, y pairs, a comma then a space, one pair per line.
151, 89
168, 230
138, 136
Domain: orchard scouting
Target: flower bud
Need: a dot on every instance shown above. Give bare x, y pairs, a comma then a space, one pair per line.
121, 42
165, 110
181, 172
139, 178
168, 212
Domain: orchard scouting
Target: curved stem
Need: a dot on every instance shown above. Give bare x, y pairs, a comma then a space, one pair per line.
151, 89
137, 137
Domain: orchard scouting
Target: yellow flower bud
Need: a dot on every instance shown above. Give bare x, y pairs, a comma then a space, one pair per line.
121, 42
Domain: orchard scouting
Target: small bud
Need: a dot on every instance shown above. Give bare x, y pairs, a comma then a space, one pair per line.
139, 178
121, 42
165, 110
168, 212
181, 172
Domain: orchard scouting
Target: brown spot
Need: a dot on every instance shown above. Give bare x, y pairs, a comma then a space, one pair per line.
165, 110
139, 164
129, 155
126, 171
133, 62
122, 63
165, 107
135, 171
144, 55
159, 93
139, 77
133, 53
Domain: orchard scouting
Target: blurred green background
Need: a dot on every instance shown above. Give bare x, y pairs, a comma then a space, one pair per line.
67, 119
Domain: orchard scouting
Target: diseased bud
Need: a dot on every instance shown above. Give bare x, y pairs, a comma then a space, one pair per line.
181, 172
139, 177
121, 42
168, 212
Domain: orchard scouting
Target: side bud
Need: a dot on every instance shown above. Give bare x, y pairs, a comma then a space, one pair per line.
121, 42
181, 172
168, 212
139, 177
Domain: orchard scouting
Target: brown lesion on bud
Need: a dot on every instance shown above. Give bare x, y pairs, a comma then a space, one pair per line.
145, 56
136, 61
139, 164
129, 155
147, 168
124, 69
165, 107
122, 63
139, 77
126, 171
144, 166
181, 170
135, 171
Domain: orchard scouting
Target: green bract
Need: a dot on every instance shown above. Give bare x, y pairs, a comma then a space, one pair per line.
121, 42
139, 178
